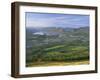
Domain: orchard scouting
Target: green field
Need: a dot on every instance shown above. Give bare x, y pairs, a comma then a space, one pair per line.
67, 48
59, 55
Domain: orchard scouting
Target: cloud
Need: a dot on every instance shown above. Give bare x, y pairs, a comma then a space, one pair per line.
37, 23
56, 20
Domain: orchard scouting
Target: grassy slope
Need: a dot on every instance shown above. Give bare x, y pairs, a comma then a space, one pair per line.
63, 50
55, 56
39, 64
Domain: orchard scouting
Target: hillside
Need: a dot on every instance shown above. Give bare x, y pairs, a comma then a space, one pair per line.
57, 44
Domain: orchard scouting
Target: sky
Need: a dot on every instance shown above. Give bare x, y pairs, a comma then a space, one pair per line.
56, 20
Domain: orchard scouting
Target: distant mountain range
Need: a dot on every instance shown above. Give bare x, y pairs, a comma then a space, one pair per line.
52, 30
41, 36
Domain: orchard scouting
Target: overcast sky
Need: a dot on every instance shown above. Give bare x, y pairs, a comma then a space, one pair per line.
56, 20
